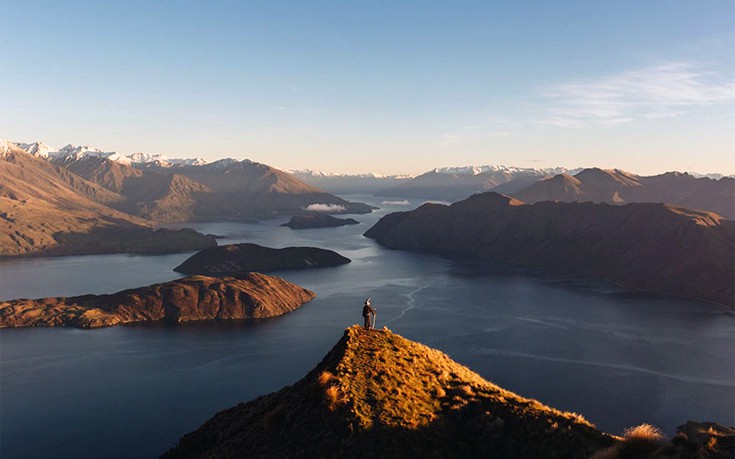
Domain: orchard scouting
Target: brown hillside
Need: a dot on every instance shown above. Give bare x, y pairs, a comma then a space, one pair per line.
251, 296
154, 196
656, 247
376, 394
47, 210
246, 190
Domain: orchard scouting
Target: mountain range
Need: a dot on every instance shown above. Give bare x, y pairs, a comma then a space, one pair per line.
454, 183
48, 210
615, 186
649, 246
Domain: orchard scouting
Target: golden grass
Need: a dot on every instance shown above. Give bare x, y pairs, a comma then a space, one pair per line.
394, 382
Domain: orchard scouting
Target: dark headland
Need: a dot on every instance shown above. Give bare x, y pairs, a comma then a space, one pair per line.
648, 246
251, 296
239, 258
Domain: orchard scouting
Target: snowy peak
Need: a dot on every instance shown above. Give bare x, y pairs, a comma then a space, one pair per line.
321, 174
71, 153
492, 169
36, 148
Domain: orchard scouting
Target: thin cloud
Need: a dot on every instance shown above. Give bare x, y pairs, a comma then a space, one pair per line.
664, 91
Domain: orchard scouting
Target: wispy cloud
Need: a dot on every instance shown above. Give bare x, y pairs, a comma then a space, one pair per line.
663, 91
485, 127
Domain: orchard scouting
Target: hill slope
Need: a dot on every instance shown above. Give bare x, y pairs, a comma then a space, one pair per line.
251, 296
614, 186
376, 394
150, 195
656, 247
246, 189
46, 210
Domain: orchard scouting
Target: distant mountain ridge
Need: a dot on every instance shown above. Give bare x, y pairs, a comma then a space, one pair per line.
164, 190
615, 186
454, 183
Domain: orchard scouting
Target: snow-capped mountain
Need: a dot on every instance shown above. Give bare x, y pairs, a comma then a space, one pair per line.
367, 183
37, 148
491, 169
71, 152
368, 175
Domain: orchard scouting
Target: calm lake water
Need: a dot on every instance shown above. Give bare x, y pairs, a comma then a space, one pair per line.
617, 357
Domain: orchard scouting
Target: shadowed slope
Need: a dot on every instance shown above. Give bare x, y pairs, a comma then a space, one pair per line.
656, 247
376, 394
159, 197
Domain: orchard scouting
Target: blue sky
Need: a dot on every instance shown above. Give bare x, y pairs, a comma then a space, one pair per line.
389, 87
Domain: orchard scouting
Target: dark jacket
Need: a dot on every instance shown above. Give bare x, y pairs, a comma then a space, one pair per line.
367, 309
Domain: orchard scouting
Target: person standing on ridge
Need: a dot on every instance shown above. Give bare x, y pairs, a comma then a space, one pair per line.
368, 312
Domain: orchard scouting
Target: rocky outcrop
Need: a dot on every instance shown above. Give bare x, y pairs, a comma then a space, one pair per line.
376, 394
252, 296
239, 258
318, 221
656, 247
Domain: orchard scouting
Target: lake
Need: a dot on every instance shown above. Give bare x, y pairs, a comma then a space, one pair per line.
619, 358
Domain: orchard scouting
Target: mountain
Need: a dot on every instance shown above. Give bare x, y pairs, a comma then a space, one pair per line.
176, 190
154, 196
615, 186
377, 394
454, 183
657, 247
246, 190
252, 296
349, 183
233, 259
49, 211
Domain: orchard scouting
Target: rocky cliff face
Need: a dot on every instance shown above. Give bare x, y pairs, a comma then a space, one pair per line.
239, 258
376, 394
655, 247
252, 296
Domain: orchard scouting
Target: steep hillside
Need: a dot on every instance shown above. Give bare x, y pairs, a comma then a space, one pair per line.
619, 187
252, 296
46, 210
655, 247
151, 195
377, 394
245, 189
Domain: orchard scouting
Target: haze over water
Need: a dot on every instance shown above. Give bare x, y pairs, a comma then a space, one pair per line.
617, 357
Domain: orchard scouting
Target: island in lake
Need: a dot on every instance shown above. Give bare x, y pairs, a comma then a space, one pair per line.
239, 258
251, 296
318, 221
